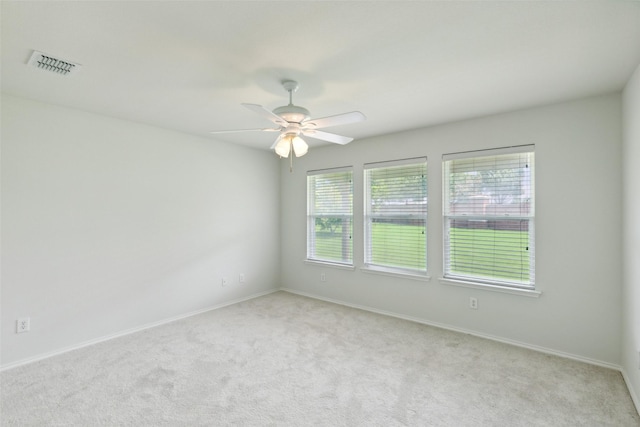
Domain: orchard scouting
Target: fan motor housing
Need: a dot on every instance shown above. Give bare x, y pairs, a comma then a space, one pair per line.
292, 113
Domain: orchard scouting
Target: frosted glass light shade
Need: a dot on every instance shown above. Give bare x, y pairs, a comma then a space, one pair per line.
283, 147
300, 147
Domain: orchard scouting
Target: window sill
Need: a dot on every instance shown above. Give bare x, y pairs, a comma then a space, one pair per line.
396, 273
488, 287
329, 264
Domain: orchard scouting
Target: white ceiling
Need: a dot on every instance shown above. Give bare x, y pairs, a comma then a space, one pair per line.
188, 65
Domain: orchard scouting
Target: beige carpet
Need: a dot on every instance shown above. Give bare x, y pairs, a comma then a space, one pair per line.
287, 360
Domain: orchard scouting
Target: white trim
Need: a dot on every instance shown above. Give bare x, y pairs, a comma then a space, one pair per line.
634, 396
330, 170
395, 163
396, 273
128, 332
516, 149
462, 330
532, 293
329, 264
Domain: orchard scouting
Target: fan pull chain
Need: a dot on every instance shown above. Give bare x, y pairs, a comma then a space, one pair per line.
291, 160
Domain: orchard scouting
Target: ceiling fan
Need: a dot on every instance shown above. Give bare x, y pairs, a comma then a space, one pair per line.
293, 121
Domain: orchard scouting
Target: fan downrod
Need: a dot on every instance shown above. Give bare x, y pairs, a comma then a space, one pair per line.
292, 113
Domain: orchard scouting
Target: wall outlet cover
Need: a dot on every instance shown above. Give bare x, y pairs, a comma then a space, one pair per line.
23, 324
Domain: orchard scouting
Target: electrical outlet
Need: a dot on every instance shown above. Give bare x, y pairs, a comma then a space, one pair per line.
241, 278
473, 303
224, 281
323, 277
23, 324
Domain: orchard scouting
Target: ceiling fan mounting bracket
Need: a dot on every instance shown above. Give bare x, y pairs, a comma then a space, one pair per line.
290, 85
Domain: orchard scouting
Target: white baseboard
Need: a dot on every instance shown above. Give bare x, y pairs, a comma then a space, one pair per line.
129, 331
632, 392
462, 330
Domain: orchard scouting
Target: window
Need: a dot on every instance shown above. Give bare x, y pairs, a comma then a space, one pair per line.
488, 212
330, 216
396, 216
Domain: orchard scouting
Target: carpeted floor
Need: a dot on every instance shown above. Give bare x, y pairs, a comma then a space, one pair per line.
284, 359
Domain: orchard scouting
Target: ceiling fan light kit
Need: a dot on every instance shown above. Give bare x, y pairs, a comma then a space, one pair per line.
293, 121
288, 142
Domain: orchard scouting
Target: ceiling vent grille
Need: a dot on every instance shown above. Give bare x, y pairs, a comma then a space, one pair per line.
55, 65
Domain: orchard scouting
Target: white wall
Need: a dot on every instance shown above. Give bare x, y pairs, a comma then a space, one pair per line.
109, 225
578, 230
631, 236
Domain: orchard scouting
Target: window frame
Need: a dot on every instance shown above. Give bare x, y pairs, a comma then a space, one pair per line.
475, 279
312, 250
368, 216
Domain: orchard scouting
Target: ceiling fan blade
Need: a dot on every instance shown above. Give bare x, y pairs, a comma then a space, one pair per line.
267, 114
338, 119
326, 136
245, 130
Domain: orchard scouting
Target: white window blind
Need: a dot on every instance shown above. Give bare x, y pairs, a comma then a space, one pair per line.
488, 211
330, 216
396, 215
